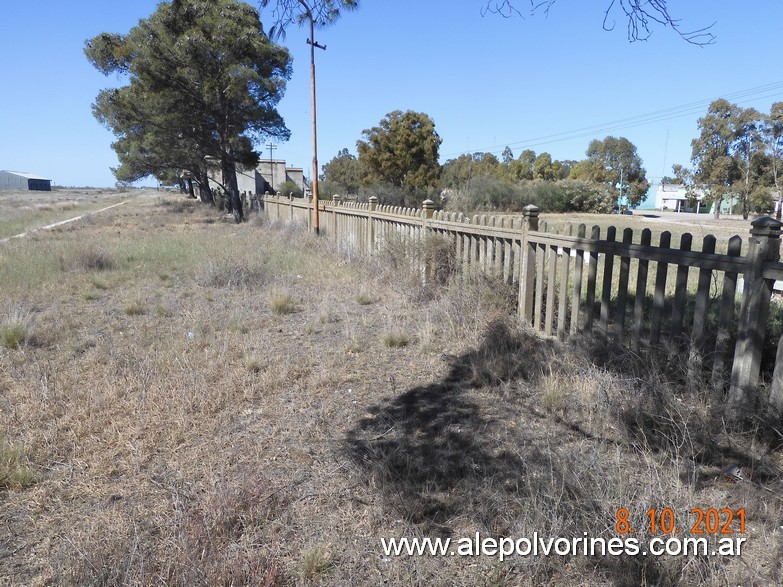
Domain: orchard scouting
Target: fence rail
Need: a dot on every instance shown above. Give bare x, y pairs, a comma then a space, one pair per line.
715, 306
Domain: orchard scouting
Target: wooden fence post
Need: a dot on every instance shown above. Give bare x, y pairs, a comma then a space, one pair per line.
527, 263
764, 246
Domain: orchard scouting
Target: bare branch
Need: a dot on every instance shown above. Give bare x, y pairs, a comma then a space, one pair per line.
641, 15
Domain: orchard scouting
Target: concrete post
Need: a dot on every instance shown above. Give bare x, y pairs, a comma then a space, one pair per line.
427, 209
371, 224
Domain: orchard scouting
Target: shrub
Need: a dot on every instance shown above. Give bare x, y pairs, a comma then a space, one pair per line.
289, 187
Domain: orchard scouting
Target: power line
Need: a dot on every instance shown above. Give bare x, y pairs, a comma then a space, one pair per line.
760, 92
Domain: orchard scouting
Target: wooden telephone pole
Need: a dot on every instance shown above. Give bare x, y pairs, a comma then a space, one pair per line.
313, 45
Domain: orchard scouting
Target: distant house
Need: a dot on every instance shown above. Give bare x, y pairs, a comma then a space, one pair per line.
17, 180
674, 197
268, 176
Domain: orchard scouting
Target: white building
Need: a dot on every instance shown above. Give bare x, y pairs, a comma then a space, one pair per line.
268, 176
17, 180
673, 197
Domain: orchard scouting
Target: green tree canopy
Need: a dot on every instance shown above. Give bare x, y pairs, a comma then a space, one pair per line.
344, 171
773, 136
203, 81
522, 167
714, 165
749, 154
402, 151
615, 162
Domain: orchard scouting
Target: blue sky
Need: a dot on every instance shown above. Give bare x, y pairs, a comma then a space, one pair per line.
549, 83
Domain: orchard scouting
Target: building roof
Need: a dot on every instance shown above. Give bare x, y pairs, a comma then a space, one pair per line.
27, 175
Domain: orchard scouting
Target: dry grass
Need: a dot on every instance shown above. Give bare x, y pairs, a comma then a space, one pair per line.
219, 442
23, 211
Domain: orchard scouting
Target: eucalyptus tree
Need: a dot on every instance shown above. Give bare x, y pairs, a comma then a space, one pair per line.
713, 152
748, 150
773, 136
203, 82
615, 162
522, 167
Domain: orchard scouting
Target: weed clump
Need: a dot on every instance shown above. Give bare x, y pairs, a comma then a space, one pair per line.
15, 474
16, 330
238, 275
282, 303
89, 258
396, 340
135, 308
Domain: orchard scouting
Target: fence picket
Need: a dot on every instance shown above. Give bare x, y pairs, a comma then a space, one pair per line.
592, 272
659, 296
701, 299
641, 293
680, 296
550, 289
622, 288
562, 308
579, 260
606, 287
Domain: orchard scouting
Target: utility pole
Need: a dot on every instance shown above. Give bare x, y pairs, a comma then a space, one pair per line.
311, 41
271, 167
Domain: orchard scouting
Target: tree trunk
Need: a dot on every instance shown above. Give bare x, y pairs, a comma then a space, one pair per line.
230, 181
717, 200
205, 193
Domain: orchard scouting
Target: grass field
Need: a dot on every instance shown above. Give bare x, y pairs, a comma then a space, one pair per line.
186, 401
24, 211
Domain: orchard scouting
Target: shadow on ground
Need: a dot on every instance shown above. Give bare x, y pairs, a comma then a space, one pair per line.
465, 453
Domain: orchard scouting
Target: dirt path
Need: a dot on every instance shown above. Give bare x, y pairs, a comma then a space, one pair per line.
61, 222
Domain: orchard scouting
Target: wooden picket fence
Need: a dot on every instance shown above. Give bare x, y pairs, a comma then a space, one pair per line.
714, 306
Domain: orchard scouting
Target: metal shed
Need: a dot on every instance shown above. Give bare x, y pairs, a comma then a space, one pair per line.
17, 180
